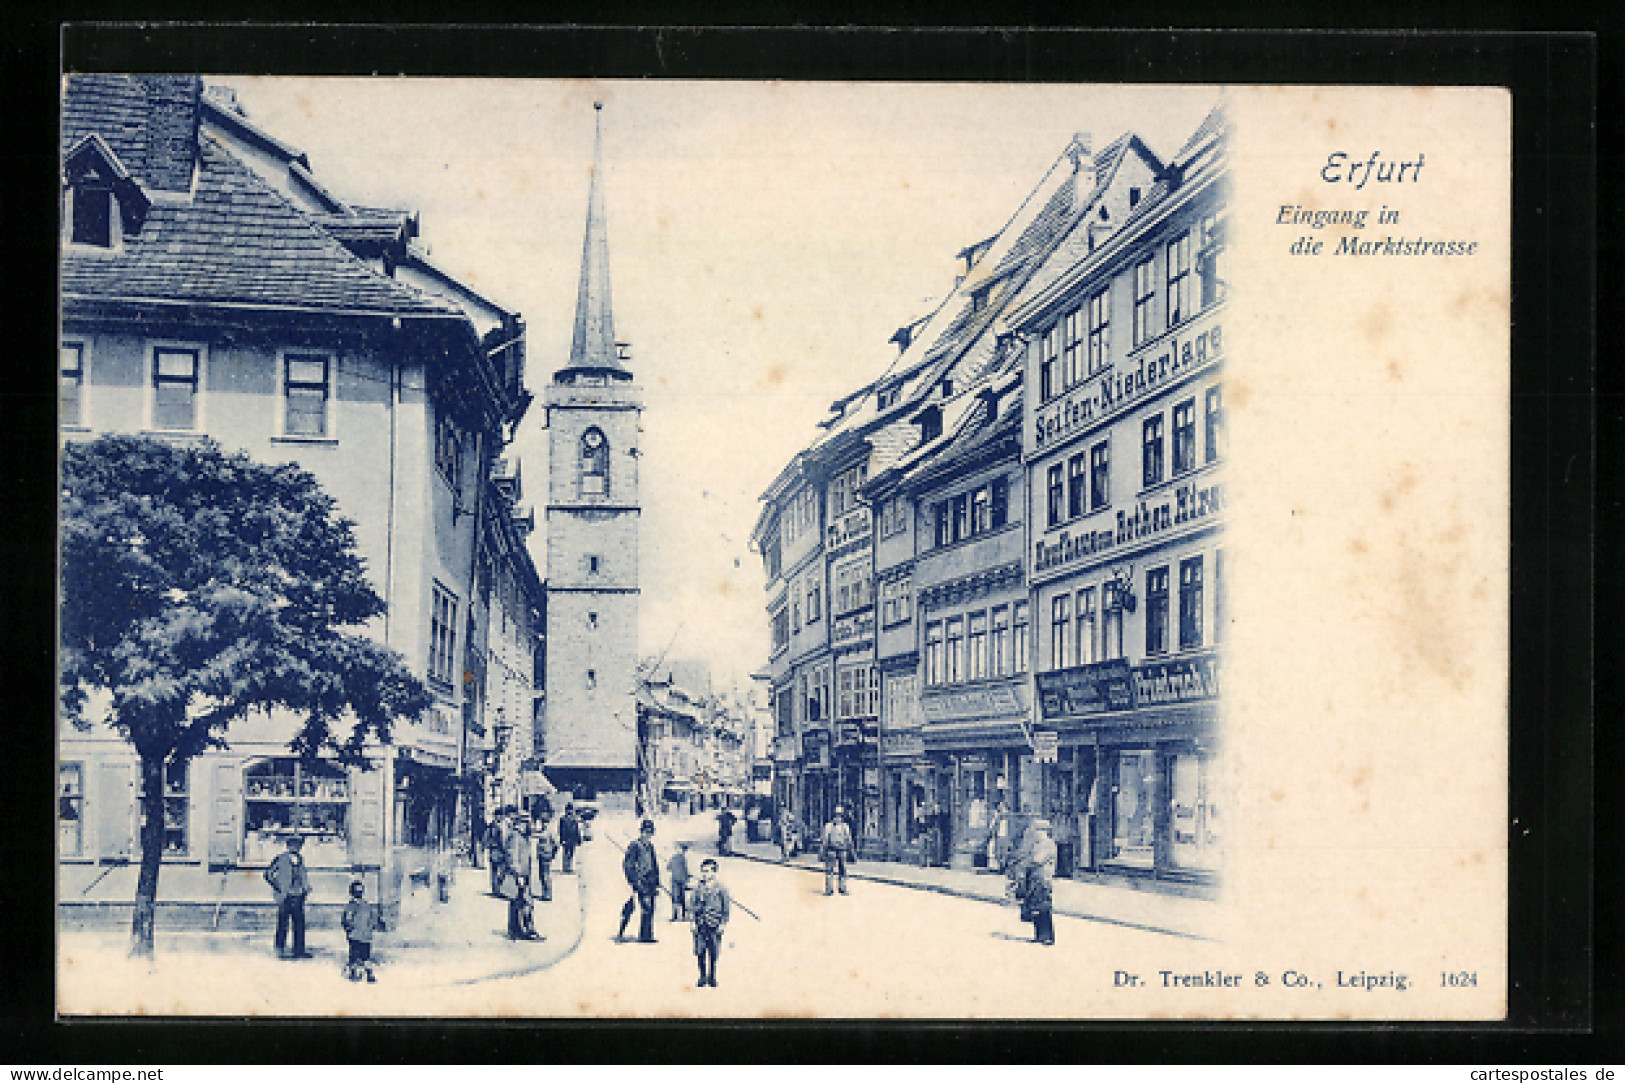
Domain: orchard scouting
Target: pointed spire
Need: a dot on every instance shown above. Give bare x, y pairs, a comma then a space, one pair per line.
592, 348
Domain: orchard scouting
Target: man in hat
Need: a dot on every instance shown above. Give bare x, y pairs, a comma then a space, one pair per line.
569, 835
521, 866
642, 870
289, 886
836, 849
1034, 873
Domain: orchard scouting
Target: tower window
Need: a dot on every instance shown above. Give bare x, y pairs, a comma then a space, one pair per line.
592, 679
594, 463
592, 620
592, 565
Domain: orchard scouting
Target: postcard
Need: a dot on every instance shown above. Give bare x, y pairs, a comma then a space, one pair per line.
765, 550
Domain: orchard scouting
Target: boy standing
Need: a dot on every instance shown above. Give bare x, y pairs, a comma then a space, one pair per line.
360, 922
678, 868
710, 909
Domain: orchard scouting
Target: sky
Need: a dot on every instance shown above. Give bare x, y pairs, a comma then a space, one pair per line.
766, 240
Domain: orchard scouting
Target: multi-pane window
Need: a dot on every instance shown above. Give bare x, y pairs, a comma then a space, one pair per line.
1060, 631
1218, 595
858, 692
1156, 611
1214, 414
1077, 486
818, 691
1100, 475
174, 388
443, 636
998, 643
895, 602
70, 396
1111, 623
1099, 331
1057, 495
795, 612
1086, 626
1072, 345
594, 463
1019, 642
1049, 350
1151, 454
893, 517
1190, 603
933, 653
814, 600
1211, 261
781, 628
954, 669
983, 509
1145, 291
448, 452
70, 809
1185, 436
177, 805
785, 709
843, 491
854, 586
306, 389
976, 645
1179, 278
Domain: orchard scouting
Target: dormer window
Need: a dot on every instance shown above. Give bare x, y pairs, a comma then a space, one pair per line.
930, 425
978, 298
947, 387
886, 399
91, 213
1133, 197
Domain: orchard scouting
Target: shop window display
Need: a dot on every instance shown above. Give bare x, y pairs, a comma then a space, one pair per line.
1195, 813
70, 814
284, 797
177, 808
1133, 811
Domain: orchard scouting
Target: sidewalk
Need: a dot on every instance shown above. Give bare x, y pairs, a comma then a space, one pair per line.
460, 941
1152, 911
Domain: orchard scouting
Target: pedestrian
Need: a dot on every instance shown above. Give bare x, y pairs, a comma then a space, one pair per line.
998, 840
710, 915
677, 875
361, 920
1033, 874
569, 836
289, 886
496, 846
516, 884
547, 845
642, 870
725, 830
836, 849
787, 834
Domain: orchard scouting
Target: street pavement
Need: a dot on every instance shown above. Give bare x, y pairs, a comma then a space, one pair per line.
887, 949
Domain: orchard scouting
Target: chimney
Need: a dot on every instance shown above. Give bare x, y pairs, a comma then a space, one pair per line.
1083, 169
172, 119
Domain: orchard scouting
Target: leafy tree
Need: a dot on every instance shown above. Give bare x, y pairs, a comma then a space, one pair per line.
199, 586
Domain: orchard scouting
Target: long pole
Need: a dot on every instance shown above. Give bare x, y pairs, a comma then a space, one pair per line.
663, 891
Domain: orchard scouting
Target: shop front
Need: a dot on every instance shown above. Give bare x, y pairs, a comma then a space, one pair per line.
986, 786
1145, 786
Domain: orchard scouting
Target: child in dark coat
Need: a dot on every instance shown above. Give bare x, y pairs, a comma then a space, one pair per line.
360, 921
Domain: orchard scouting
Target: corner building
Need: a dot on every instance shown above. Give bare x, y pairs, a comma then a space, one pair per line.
1125, 458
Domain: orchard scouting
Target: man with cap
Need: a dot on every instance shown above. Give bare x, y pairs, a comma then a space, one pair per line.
836, 849
569, 835
642, 870
289, 886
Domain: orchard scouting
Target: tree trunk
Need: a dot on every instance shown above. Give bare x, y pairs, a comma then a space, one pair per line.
152, 856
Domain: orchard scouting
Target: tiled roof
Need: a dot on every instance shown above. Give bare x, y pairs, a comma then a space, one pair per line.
115, 108
237, 240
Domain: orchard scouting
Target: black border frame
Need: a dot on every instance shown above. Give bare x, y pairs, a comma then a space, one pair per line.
1554, 78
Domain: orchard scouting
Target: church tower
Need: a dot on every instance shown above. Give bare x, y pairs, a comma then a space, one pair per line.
591, 727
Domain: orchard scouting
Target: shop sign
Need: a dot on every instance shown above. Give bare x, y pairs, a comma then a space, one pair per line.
852, 627
1046, 746
1183, 680
851, 527
1117, 389
1187, 503
998, 699
1082, 690
902, 744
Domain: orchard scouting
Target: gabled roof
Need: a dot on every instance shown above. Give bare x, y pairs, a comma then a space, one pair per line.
119, 110
239, 241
